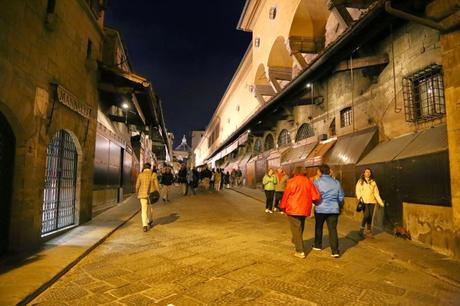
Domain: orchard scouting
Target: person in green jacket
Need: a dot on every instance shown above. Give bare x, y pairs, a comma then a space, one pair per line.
269, 181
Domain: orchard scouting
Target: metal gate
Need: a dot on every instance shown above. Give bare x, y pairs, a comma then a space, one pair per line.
60, 183
7, 148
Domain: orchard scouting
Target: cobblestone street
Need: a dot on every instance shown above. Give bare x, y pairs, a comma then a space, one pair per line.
222, 249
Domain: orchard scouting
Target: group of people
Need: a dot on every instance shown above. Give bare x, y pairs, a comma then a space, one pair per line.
218, 178
297, 196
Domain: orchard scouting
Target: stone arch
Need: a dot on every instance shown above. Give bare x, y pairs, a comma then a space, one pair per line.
307, 32
269, 142
263, 90
279, 64
257, 146
305, 131
62, 188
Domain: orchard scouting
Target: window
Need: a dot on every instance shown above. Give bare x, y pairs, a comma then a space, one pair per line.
304, 131
424, 95
272, 13
284, 138
237, 108
257, 42
332, 130
346, 117
269, 142
214, 135
257, 146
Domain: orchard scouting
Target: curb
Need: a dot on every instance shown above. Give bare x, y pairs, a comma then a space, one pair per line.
66, 269
393, 255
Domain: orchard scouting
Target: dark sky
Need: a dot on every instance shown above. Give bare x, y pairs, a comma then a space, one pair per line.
188, 49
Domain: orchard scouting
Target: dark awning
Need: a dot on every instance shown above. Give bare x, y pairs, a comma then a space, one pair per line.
350, 148
421, 143
296, 154
316, 157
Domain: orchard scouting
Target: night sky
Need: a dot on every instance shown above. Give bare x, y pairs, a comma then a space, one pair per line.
188, 49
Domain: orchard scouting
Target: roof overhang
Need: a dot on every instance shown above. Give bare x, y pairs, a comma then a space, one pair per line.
248, 16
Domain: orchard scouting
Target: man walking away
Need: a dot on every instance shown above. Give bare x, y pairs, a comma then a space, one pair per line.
167, 179
327, 209
146, 183
182, 178
192, 180
297, 202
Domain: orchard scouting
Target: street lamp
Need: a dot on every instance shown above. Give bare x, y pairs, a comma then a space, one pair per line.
125, 107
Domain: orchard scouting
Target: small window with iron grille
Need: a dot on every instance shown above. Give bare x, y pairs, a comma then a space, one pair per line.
258, 146
269, 142
284, 138
424, 95
346, 117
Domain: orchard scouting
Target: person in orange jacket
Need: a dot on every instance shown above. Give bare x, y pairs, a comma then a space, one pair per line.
297, 203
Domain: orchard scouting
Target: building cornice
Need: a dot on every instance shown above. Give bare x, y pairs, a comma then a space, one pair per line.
249, 15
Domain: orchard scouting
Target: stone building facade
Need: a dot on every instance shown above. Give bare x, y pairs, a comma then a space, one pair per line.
354, 84
48, 107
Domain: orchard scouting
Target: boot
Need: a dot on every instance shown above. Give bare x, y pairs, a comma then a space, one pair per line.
361, 232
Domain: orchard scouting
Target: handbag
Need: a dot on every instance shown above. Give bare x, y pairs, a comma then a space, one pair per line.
360, 206
154, 197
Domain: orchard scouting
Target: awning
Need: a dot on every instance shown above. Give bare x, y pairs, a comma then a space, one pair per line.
277, 153
350, 148
296, 154
421, 143
429, 141
316, 157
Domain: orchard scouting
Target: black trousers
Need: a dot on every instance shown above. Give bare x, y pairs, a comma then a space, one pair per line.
278, 197
331, 221
368, 213
297, 225
269, 195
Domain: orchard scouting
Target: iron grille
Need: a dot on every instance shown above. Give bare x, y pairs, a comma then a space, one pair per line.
60, 183
346, 117
258, 146
424, 95
284, 138
304, 131
269, 142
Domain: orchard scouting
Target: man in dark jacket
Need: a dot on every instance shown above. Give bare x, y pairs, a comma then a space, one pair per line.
167, 179
327, 209
206, 175
182, 179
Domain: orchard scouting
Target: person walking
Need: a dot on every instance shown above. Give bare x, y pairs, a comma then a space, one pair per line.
146, 183
327, 209
227, 180
182, 178
206, 175
269, 182
192, 180
297, 202
282, 179
368, 193
167, 179
217, 179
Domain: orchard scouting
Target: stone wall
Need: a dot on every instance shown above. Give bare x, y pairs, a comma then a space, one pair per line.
32, 56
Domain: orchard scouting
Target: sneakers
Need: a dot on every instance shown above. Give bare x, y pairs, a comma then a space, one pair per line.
145, 229
299, 255
335, 255
268, 211
275, 209
316, 249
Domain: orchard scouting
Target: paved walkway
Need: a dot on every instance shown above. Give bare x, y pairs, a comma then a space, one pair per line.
25, 275
222, 249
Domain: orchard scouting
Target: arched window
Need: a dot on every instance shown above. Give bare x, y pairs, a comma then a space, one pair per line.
304, 131
258, 146
284, 138
269, 142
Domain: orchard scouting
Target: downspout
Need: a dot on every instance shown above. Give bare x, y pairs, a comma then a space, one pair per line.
420, 20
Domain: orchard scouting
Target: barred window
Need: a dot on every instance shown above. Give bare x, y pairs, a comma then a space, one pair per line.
284, 138
424, 95
269, 142
304, 131
346, 117
258, 146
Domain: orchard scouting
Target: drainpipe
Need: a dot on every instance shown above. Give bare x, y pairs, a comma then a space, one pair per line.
423, 21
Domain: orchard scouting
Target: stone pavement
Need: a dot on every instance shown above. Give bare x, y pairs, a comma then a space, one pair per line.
222, 249
24, 275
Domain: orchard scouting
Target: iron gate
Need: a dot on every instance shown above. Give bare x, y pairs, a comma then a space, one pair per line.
7, 147
60, 183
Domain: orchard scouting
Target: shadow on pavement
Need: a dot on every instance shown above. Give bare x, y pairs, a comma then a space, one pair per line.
14, 261
166, 219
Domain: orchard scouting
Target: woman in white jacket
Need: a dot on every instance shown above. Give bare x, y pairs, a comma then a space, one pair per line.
368, 192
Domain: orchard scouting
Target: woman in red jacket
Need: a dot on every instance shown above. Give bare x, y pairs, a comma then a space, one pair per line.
297, 202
